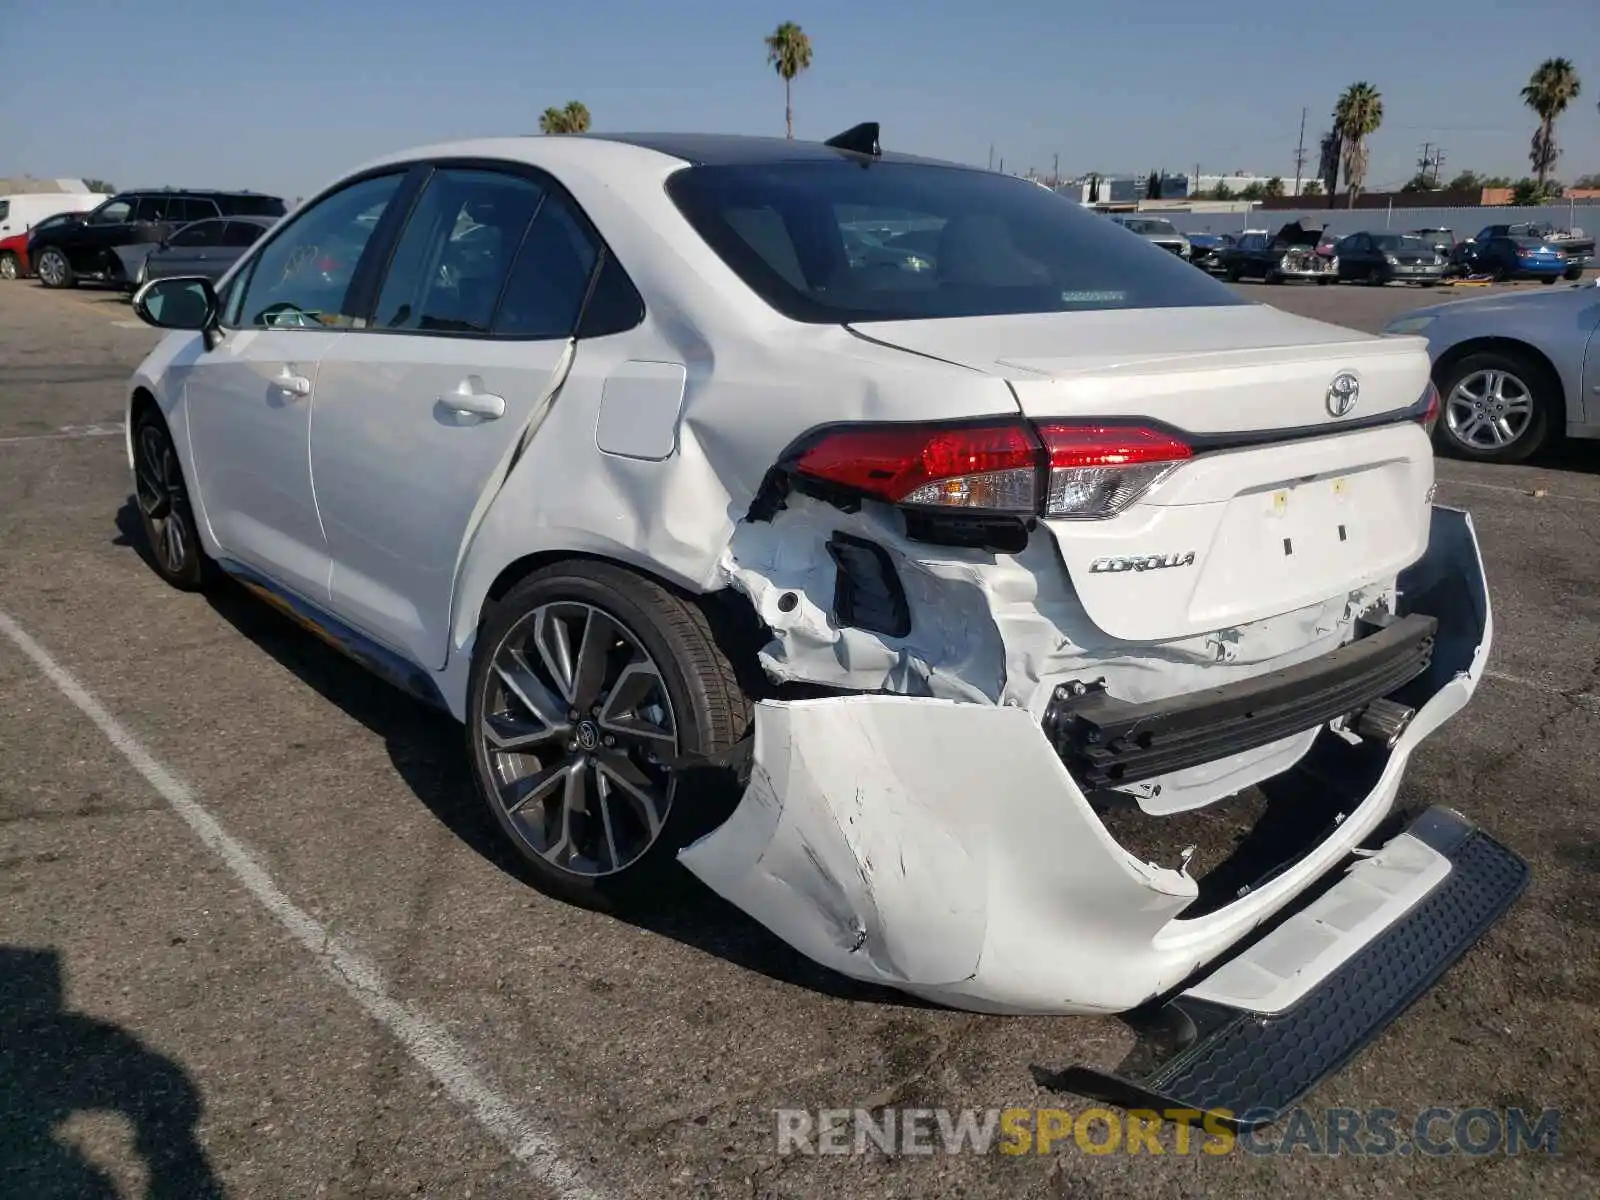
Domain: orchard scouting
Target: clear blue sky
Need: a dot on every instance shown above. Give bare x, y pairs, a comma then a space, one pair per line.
282, 97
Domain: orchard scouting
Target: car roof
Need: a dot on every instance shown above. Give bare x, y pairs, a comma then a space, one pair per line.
731, 149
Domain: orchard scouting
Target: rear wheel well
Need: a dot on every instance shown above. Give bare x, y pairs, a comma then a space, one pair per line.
1556, 401
735, 626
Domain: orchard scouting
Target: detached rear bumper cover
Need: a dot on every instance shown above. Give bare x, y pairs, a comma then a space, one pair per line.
943, 848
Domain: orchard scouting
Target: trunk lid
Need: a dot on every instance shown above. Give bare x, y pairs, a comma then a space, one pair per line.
1283, 505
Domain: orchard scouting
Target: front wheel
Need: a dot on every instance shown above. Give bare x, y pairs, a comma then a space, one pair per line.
599, 705
1547, 280
1498, 407
54, 270
164, 508
9, 267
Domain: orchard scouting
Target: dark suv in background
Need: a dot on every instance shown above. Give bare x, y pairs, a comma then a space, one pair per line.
92, 246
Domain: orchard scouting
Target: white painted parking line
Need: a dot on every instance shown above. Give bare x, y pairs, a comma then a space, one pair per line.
1549, 689
67, 433
130, 325
428, 1043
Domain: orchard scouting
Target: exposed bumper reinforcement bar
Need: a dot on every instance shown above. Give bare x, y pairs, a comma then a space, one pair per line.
1264, 1026
1106, 742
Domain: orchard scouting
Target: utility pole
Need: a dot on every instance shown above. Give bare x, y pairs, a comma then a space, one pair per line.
1432, 160
991, 156
1055, 171
1438, 165
1300, 151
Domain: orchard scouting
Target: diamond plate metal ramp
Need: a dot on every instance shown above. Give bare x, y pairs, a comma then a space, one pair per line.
1263, 1027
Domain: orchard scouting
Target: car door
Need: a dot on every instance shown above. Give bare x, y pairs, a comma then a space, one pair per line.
417, 415
88, 245
249, 400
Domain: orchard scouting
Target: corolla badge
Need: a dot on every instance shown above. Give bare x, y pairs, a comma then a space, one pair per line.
1141, 562
1343, 393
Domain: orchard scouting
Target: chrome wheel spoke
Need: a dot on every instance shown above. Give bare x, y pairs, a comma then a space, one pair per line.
644, 798
529, 690
594, 656
520, 793
552, 640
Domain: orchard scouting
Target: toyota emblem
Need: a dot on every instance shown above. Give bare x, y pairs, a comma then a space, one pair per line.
1343, 393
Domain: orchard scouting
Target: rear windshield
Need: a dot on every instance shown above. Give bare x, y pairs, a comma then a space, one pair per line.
1395, 241
1150, 227
837, 241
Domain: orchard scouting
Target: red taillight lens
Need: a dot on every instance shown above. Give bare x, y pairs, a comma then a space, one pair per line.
1430, 414
1097, 471
977, 466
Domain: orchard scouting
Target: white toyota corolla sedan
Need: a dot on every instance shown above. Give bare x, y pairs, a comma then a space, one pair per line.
872, 535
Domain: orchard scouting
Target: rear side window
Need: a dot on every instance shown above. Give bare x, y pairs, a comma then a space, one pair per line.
551, 276
452, 261
252, 206
201, 233
241, 233
838, 241
615, 305
5, 209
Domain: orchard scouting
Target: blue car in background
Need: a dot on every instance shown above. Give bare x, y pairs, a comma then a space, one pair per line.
1507, 253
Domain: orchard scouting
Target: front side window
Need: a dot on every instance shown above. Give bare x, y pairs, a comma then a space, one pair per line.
151, 208
113, 212
302, 277
5, 209
965, 243
452, 260
201, 233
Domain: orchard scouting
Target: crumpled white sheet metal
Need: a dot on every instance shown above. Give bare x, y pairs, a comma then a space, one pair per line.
1006, 629
941, 847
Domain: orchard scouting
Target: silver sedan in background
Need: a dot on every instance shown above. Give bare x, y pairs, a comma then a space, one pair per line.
1514, 370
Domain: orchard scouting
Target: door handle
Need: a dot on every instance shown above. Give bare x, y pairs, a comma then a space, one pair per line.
468, 399
295, 385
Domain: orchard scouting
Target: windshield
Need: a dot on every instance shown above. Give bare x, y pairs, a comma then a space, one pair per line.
1149, 227
1394, 241
832, 241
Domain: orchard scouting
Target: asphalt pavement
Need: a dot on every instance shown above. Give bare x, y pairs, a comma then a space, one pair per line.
257, 938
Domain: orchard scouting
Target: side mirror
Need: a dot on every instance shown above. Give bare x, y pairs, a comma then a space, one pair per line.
179, 303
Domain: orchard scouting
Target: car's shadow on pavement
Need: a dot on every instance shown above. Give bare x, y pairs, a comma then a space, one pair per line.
427, 749
55, 1064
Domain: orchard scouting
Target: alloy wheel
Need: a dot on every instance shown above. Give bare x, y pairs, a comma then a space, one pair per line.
578, 732
158, 479
8, 266
52, 270
1489, 409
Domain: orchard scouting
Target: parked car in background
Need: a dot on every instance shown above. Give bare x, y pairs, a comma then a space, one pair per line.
1508, 252
87, 247
1380, 258
1514, 370
1288, 254
1442, 240
627, 448
205, 248
1578, 248
22, 211
1206, 250
14, 261
1158, 231
1328, 244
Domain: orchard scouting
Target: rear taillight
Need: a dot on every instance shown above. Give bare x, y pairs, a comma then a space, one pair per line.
1430, 411
1097, 471
992, 466
1088, 471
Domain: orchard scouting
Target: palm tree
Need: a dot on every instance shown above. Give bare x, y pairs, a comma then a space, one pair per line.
574, 118
789, 52
1550, 89
1356, 117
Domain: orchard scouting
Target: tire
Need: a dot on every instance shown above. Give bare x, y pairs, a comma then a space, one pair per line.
162, 496
1326, 280
1524, 376
675, 679
53, 269
10, 268
1233, 274
1548, 280
1573, 273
